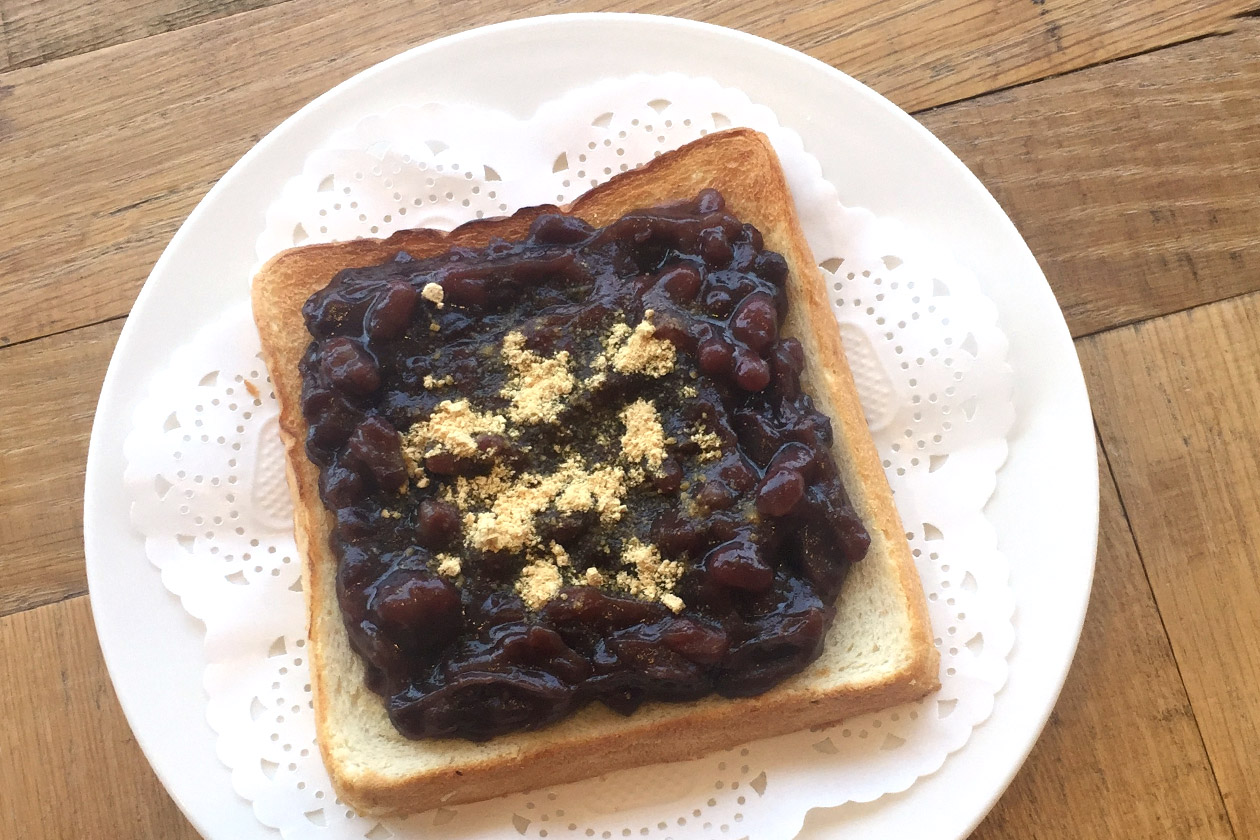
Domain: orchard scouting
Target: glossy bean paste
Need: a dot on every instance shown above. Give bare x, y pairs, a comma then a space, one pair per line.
574, 467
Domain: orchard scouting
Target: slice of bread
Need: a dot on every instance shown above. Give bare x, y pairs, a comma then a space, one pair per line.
878, 653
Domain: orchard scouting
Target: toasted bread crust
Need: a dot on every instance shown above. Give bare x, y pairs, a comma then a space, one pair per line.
375, 769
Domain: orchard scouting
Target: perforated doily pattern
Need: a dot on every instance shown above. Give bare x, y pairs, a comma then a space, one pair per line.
205, 472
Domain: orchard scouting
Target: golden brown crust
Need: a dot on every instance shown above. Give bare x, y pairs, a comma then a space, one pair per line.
376, 770
830, 381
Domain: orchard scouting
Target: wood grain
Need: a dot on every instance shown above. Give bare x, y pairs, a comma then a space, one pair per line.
50, 393
1121, 755
36, 31
986, 44
103, 155
1136, 183
69, 766
1178, 406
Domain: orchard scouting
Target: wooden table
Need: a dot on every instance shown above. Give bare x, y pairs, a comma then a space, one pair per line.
1122, 136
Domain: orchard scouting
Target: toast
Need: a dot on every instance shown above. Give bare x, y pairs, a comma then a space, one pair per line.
878, 651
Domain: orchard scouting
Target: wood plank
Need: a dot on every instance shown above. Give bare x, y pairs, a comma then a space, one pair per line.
1178, 406
51, 387
921, 53
69, 765
36, 31
1044, 39
103, 154
1134, 183
1121, 755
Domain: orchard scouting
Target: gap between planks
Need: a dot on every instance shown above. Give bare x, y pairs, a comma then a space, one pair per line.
1163, 626
1176, 401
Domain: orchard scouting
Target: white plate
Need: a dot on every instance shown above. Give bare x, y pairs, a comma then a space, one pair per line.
1045, 507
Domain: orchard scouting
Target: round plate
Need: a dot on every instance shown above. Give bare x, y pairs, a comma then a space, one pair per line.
878, 158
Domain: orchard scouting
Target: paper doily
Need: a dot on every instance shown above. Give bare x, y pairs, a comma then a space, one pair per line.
205, 472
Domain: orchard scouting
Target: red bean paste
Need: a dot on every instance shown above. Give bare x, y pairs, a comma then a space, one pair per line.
575, 467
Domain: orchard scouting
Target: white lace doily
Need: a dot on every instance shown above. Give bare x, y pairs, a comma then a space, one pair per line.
206, 480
